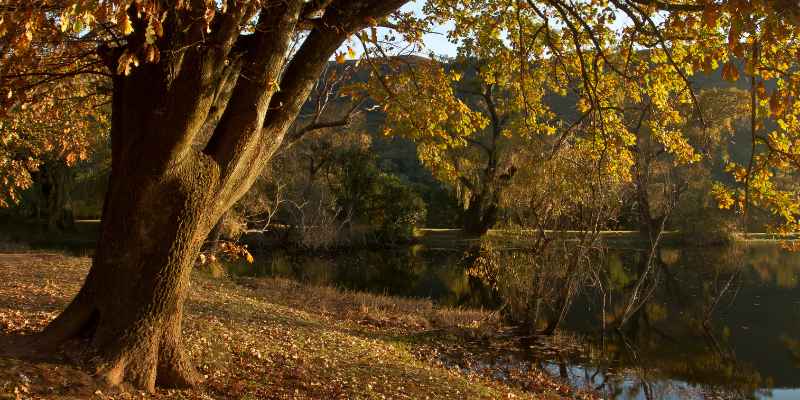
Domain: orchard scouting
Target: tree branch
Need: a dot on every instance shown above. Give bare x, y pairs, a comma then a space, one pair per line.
664, 6
317, 125
238, 133
242, 144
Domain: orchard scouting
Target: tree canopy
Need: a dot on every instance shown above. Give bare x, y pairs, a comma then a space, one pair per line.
615, 58
619, 62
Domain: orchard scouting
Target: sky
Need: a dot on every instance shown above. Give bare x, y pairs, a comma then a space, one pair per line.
437, 42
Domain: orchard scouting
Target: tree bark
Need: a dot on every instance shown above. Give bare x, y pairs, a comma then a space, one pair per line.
480, 216
131, 304
160, 205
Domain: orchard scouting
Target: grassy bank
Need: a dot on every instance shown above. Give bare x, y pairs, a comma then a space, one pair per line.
269, 339
521, 238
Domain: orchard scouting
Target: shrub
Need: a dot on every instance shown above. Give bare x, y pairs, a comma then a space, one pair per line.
390, 206
397, 209
707, 226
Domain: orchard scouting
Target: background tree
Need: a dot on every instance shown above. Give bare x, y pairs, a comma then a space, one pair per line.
564, 202
610, 68
662, 178
519, 85
333, 188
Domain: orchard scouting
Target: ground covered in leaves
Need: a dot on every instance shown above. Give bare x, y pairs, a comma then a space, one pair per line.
270, 339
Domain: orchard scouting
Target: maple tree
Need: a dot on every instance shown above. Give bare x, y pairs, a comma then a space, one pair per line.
239, 72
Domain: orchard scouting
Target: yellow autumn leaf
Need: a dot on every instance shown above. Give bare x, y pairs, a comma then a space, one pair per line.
125, 24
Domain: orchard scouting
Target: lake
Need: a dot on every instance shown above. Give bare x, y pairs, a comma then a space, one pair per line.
687, 323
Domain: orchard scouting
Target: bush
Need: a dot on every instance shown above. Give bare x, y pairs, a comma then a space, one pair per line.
707, 226
701, 222
397, 209
388, 205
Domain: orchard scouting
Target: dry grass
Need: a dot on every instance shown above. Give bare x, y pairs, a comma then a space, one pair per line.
256, 339
391, 315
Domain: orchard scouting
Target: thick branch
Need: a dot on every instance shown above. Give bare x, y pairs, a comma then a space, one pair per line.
174, 95
247, 137
238, 131
341, 19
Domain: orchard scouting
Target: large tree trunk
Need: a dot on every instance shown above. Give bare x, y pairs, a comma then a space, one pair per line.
161, 202
130, 306
481, 214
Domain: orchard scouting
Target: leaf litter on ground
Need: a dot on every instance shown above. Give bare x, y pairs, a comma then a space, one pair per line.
268, 338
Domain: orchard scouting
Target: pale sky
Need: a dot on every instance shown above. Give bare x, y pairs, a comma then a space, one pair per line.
440, 45
437, 42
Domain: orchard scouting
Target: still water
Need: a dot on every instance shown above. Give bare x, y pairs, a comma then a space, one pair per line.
720, 323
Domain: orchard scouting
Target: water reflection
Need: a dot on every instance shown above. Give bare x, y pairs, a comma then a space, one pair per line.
681, 324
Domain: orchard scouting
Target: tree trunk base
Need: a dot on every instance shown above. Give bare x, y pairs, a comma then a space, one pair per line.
117, 360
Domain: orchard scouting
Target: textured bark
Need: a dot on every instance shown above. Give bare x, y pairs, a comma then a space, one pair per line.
480, 216
55, 179
131, 304
168, 187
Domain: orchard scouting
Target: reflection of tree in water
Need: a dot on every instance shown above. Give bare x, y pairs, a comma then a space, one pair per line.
775, 265
687, 330
536, 287
408, 271
672, 334
672, 338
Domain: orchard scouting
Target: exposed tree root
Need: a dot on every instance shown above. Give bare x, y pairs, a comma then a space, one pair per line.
151, 355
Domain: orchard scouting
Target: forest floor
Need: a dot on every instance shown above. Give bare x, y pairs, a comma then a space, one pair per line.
271, 338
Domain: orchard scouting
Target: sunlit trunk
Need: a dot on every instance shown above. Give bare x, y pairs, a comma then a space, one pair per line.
131, 304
